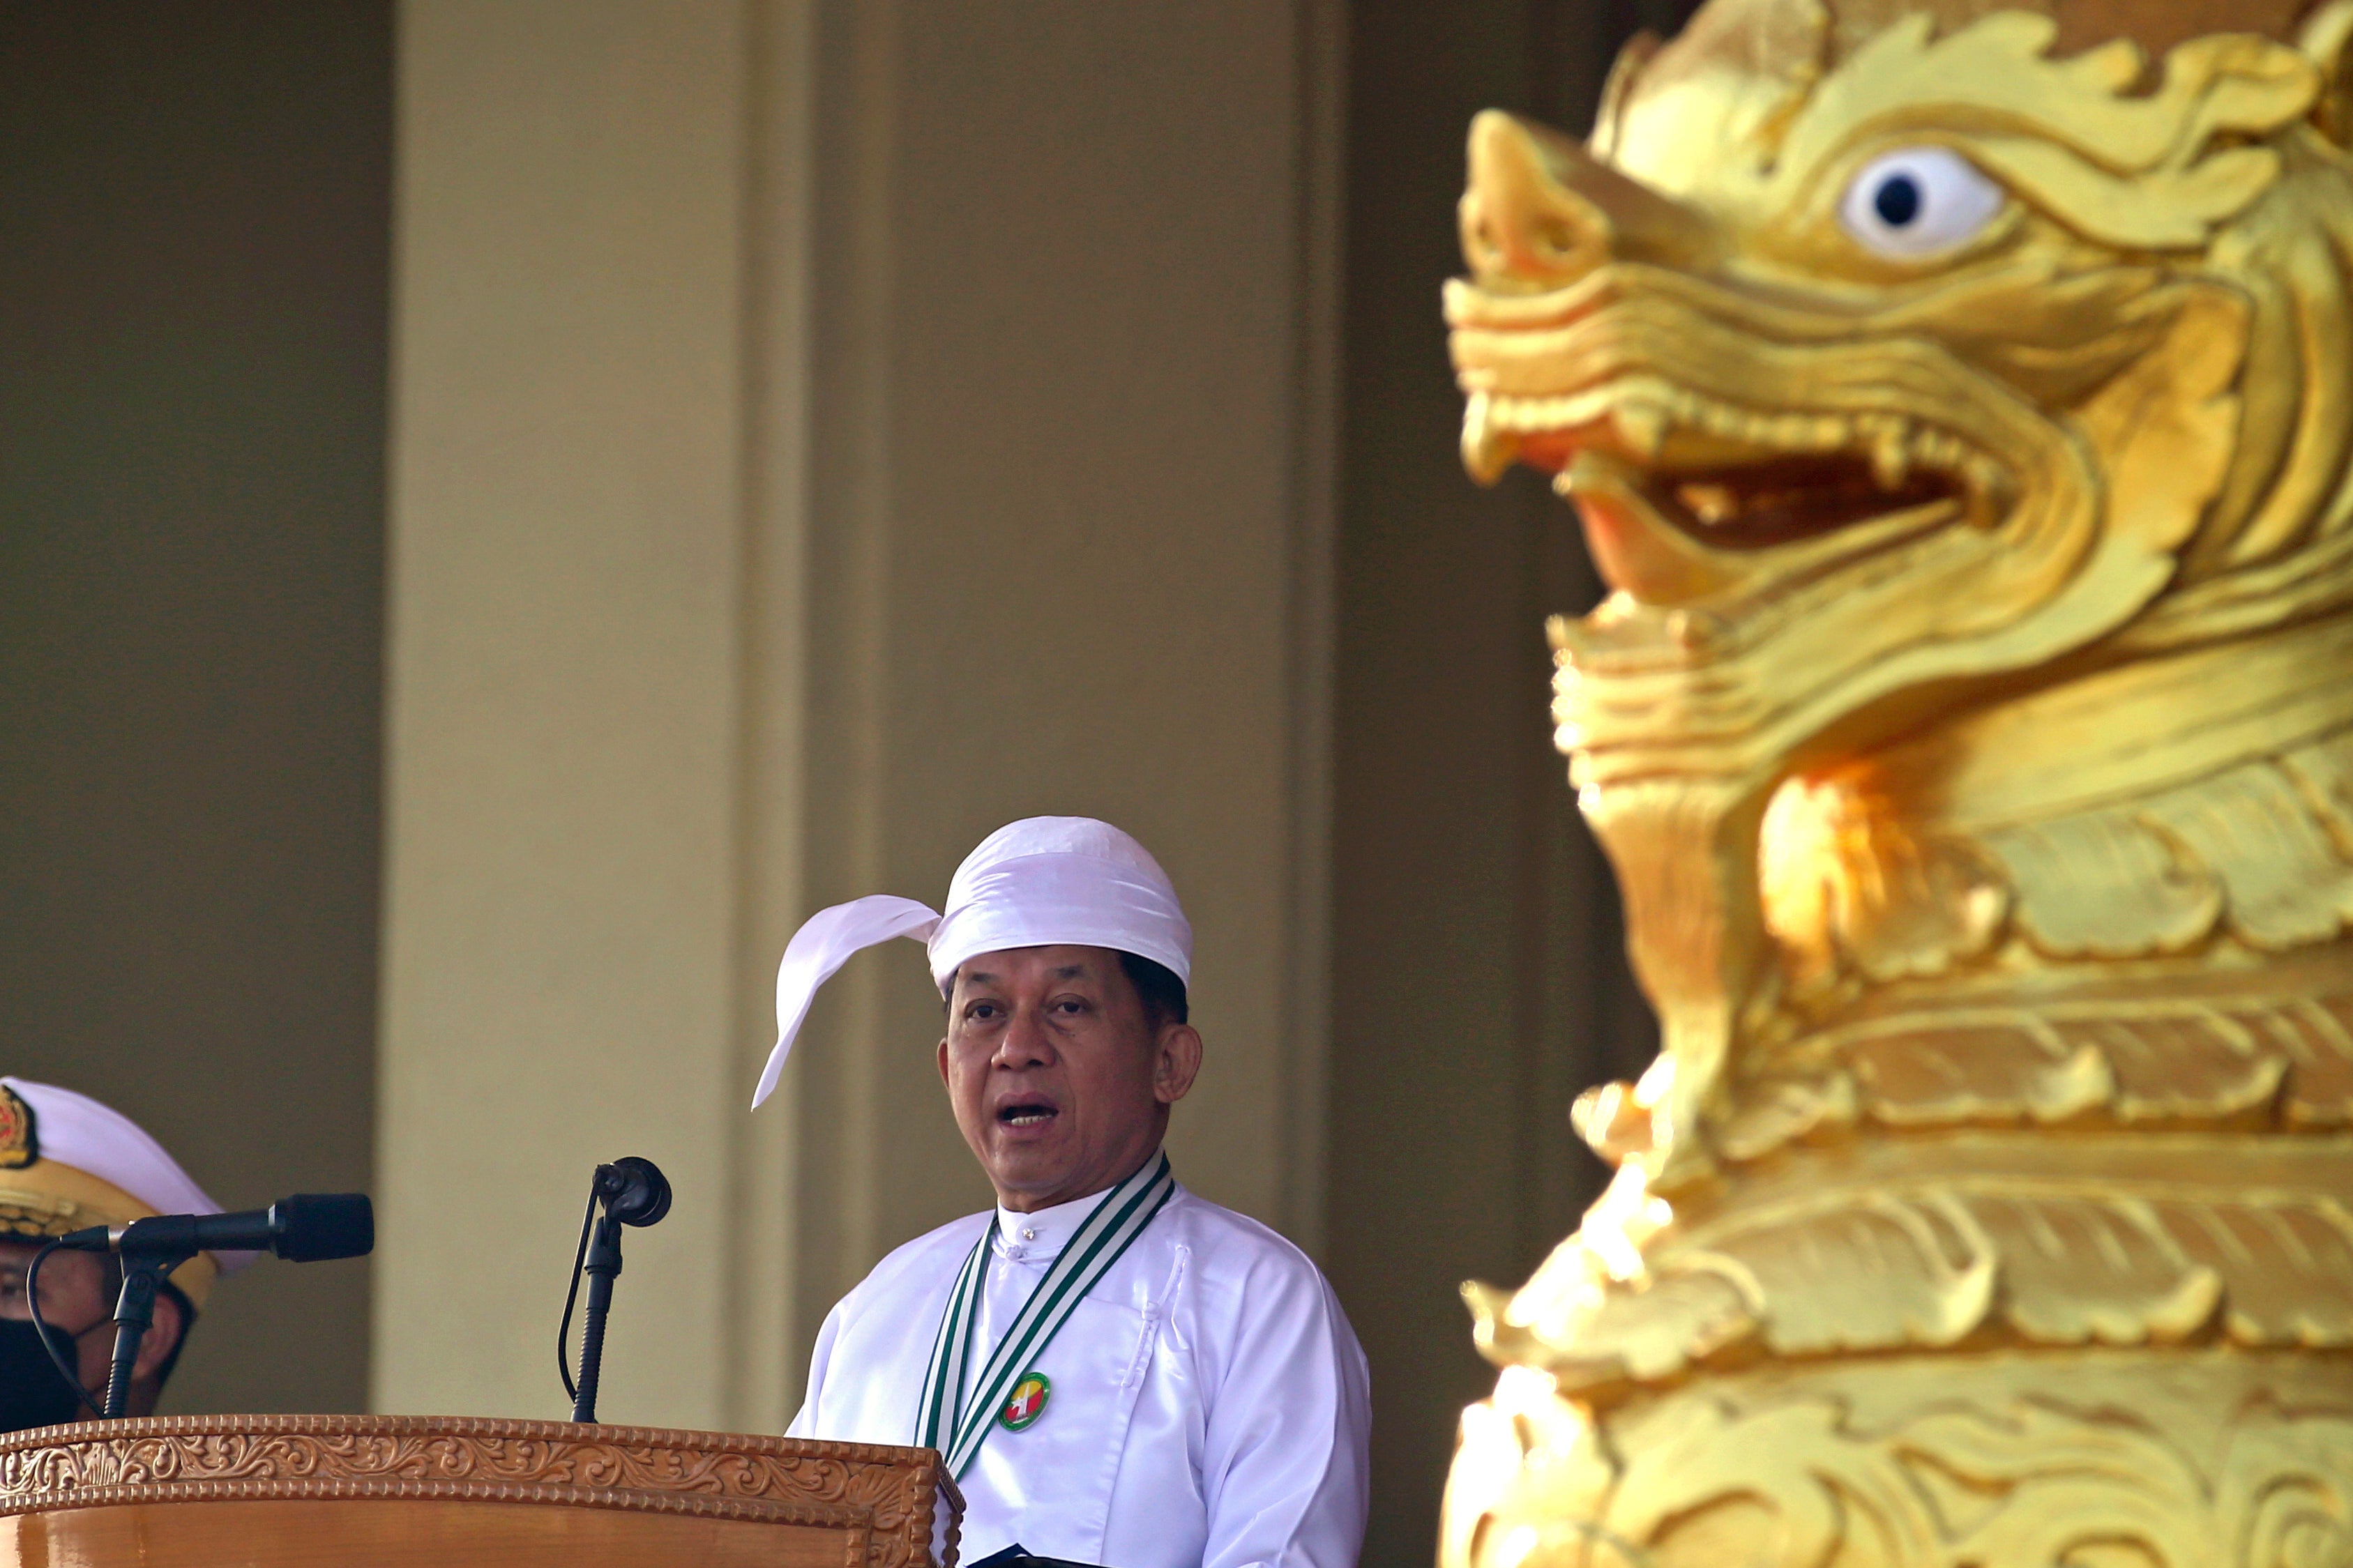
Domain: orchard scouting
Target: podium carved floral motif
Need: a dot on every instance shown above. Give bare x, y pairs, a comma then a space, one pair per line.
1959, 400
892, 1496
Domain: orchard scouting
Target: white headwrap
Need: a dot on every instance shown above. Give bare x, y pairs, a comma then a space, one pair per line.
1044, 882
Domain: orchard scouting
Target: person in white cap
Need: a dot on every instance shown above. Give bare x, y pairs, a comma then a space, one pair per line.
68, 1162
1116, 1370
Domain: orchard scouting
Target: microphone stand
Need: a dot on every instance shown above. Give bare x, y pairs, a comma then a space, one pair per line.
134, 1312
629, 1191
604, 1266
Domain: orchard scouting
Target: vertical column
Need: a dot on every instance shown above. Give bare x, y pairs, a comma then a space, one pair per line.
563, 689
765, 1196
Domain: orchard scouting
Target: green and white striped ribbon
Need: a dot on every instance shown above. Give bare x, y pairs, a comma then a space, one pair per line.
943, 1419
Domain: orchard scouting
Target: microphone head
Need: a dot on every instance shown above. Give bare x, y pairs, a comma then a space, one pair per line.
635, 1192
313, 1227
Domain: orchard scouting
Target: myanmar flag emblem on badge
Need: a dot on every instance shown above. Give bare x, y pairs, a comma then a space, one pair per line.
1028, 1402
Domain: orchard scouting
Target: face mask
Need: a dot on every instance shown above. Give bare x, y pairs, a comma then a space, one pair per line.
31, 1392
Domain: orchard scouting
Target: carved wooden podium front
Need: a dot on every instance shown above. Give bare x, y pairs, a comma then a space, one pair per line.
361, 1492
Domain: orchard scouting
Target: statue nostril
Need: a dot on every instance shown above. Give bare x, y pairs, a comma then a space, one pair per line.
1491, 248
1556, 237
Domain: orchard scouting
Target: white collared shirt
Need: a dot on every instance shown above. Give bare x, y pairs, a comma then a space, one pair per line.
1208, 1406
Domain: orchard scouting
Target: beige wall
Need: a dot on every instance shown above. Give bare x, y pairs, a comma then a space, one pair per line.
565, 563
822, 433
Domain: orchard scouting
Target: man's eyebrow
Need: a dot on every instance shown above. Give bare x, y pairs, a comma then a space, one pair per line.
1062, 971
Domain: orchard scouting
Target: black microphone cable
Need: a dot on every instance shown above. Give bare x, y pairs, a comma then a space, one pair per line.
41, 1329
571, 1295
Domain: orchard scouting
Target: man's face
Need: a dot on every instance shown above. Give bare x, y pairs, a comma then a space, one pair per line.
73, 1301
1059, 1083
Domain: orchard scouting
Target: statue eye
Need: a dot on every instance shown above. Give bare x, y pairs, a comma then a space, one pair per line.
1918, 201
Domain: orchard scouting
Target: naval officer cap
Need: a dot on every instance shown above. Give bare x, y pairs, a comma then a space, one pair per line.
1044, 882
68, 1162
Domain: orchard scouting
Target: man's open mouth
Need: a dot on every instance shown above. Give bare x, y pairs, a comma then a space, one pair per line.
1023, 1113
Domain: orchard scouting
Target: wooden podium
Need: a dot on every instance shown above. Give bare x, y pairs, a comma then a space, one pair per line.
372, 1492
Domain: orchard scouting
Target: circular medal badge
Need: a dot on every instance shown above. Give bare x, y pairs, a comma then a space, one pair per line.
1027, 1402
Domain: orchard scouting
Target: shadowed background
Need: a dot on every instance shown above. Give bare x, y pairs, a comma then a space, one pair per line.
817, 433
193, 300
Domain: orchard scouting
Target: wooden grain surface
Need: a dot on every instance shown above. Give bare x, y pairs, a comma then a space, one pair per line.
364, 1489
409, 1532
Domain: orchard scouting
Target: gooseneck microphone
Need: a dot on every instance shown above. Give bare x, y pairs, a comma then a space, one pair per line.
633, 1191
309, 1227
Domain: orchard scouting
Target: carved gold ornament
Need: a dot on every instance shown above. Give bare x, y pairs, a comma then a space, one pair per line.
1959, 404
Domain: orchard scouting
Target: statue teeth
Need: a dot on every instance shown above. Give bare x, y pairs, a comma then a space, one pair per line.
1641, 426
1718, 419
1488, 448
1988, 489
1891, 452
1938, 450
1683, 407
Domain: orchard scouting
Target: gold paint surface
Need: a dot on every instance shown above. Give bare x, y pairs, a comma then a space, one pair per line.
1958, 401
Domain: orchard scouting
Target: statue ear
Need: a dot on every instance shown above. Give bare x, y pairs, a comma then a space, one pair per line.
2324, 42
1620, 82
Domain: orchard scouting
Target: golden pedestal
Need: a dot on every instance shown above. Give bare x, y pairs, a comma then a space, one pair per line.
262, 1491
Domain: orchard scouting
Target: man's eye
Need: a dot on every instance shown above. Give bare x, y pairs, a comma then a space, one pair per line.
1919, 202
981, 1010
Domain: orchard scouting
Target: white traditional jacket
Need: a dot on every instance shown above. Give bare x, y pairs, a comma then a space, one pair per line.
1206, 1405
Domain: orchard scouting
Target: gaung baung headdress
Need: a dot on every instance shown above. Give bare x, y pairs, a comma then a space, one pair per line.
1044, 882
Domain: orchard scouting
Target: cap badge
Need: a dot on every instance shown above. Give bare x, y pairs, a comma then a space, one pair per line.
20, 1143
1028, 1402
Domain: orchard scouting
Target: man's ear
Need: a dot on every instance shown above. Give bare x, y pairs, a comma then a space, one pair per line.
1177, 1060
944, 1064
162, 1337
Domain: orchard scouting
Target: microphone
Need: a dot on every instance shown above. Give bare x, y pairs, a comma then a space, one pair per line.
309, 1227
631, 1191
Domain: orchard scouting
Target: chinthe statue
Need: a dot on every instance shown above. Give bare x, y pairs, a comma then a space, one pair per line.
1958, 401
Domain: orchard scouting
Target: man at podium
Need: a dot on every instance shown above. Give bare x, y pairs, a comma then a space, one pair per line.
1116, 1370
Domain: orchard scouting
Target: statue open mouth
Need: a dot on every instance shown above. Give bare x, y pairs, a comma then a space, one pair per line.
1676, 485
1734, 477
1773, 499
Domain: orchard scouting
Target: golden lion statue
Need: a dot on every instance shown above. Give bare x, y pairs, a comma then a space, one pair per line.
1958, 399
